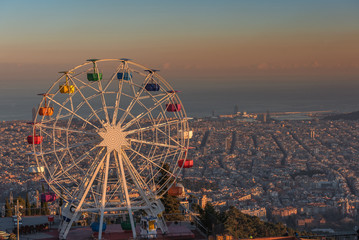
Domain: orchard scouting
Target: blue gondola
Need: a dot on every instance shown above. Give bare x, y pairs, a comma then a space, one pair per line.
95, 226
124, 76
152, 87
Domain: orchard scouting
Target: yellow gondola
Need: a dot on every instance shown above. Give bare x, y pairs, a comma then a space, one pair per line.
66, 87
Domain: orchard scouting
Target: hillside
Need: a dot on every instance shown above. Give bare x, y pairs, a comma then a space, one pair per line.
343, 116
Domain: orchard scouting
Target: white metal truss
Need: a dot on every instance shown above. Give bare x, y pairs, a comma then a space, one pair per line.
111, 147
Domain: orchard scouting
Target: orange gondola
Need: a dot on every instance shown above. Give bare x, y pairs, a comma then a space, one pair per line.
46, 110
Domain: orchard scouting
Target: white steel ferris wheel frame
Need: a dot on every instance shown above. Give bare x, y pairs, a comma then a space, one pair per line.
111, 145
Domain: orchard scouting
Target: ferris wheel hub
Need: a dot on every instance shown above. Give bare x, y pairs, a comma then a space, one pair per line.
113, 137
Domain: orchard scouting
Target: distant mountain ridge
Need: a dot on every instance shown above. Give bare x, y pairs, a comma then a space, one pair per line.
343, 116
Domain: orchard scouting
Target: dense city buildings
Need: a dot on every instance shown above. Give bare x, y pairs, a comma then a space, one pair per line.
303, 173
299, 172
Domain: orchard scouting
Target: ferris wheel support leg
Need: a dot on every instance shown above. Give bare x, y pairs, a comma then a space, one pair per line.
65, 226
104, 192
126, 195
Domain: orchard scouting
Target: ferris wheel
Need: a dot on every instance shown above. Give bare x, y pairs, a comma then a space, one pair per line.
111, 136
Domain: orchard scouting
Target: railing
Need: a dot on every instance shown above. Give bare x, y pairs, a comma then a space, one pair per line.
194, 218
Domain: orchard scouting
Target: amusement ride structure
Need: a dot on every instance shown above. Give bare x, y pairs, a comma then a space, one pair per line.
110, 137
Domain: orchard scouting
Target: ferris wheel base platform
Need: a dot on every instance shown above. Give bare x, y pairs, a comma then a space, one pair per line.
114, 231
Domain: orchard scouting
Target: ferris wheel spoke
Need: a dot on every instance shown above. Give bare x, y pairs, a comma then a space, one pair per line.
155, 143
84, 83
103, 100
67, 129
65, 148
74, 113
128, 202
151, 161
66, 178
117, 103
140, 116
169, 137
152, 127
159, 157
137, 179
60, 166
75, 163
150, 95
88, 104
115, 191
117, 167
82, 185
85, 188
51, 137
119, 68
133, 102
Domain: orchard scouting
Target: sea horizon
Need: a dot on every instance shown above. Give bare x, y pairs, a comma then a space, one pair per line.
201, 100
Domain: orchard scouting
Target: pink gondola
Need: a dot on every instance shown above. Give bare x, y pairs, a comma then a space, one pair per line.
173, 107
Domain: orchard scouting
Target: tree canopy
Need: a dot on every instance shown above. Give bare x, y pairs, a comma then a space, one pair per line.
240, 225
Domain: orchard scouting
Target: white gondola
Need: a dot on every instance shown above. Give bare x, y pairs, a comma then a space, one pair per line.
148, 227
186, 134
36, 169
33, 168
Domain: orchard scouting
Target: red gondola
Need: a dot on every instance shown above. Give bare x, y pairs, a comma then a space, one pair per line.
173, 107
186, 164
34, 139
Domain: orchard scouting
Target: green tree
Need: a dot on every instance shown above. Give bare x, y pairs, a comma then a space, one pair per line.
8, 209
231, 223
172, 210
21, 201
22, 204
27, 205
209, 217
34, 210
45, 208
196, 208
61, 202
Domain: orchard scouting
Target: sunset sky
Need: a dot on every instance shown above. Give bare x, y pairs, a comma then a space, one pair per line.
204, 38
197, 41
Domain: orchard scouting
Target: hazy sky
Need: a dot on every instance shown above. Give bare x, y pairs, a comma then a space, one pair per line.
214, 40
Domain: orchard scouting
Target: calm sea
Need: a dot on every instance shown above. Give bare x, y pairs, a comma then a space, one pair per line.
201, 98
